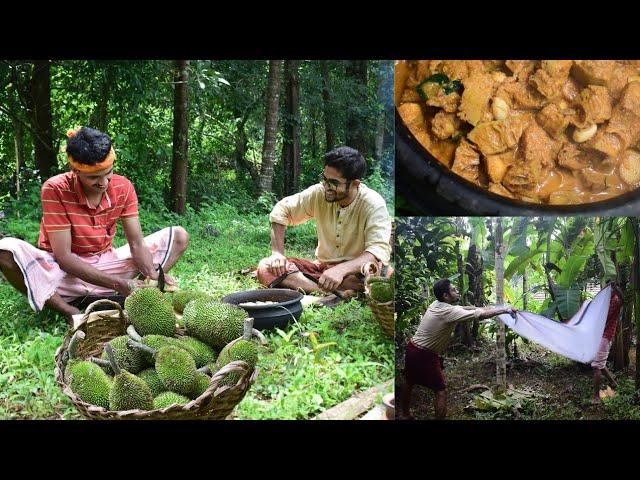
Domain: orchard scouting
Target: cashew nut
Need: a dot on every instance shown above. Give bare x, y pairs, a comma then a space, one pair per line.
581, 135
499, 108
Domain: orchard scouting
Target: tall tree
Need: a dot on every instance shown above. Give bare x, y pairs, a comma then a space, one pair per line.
326, 102
270, 127
356, 136
41, 118
180, 136
501, 363
291, 143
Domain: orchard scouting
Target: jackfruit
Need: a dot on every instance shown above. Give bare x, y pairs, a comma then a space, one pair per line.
150, 313
214, 323
382, 291
167, 399
128, 392
202, 383
244, 350
182, 297
200, 351
89, 382
150, 376
127, 358
177, 370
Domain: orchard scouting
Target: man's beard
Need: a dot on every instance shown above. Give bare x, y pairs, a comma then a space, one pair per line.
335, 197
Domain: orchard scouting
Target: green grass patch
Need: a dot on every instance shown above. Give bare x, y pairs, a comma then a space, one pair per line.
328, 357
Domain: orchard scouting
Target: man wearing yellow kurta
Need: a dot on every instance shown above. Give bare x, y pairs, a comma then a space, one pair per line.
353, 227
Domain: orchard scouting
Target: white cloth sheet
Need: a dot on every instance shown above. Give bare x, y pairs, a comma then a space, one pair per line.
577, 339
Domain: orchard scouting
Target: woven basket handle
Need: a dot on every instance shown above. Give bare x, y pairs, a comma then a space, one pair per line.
97, 303
369, 269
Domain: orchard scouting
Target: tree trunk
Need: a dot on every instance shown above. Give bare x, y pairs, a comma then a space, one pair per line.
326, 102
635, 282
40, 100
270, 127
501, 364
18, 140
102, 110
463, 329
291, 143
241, 141
180, 137
356, 136
313, 134
381, 121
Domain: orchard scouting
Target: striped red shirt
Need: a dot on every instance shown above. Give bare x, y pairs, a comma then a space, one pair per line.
65, 207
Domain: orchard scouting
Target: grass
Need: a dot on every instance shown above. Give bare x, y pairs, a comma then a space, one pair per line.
329, 356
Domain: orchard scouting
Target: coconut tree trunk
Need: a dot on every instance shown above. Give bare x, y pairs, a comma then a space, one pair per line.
270, 127
180, 137
501, 364
326, 102
291, 144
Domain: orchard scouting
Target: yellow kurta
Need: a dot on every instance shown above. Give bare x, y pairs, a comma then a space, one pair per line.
344, 233
438, 323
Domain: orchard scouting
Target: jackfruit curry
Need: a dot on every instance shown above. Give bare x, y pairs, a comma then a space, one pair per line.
541, 131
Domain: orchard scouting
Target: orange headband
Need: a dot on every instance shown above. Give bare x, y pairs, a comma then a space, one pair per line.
107, 162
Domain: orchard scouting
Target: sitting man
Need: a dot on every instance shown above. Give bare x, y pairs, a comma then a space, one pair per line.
353, 227
599, 364
79, 212
423, 361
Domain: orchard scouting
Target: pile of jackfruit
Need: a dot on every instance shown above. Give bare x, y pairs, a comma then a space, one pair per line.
153, 368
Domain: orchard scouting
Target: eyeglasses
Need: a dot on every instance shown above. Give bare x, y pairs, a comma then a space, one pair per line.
331, 181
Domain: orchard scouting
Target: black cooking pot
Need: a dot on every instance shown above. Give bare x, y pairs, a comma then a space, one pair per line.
272, 315
430, 188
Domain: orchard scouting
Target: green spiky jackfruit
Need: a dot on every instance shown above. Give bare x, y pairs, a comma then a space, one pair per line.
214, 323
167, 399
127, 358
89, 382
177, 370
200, 351
202, 383
150, 313
150, 376
182, 297
241, 350
244, 350
130, 392
158, 341
382, 291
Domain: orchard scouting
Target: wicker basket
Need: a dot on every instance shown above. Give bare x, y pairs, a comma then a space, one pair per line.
216, 403
383, 312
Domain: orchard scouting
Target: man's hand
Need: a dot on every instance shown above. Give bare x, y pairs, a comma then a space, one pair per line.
331, 279
277, 264
125, 286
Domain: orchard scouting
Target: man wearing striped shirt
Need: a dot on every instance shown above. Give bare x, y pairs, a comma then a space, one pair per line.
76, 257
